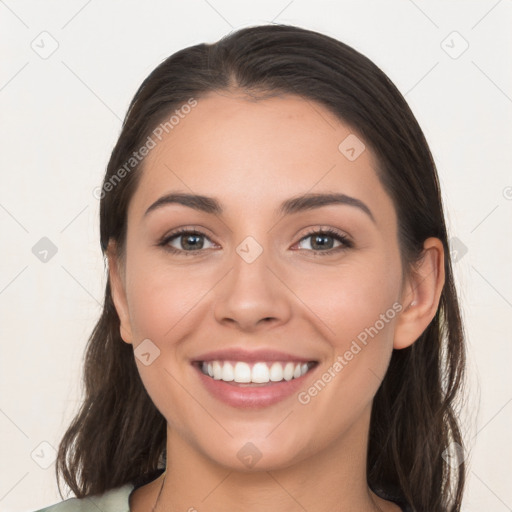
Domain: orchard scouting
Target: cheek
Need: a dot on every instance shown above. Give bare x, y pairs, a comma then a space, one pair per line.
160, 297
350, 300
360, 309
162, 309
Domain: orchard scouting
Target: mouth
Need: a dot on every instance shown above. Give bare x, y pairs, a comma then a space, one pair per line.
259, 373
256, 384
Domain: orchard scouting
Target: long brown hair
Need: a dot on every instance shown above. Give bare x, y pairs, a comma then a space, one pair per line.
118, 436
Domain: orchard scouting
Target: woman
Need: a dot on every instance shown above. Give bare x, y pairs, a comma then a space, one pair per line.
281, 326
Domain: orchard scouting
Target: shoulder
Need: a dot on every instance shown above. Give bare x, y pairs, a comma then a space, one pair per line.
114, 500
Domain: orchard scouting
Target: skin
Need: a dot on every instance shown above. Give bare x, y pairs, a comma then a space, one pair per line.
251, 155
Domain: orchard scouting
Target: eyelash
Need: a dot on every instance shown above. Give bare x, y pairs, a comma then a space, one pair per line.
329, 232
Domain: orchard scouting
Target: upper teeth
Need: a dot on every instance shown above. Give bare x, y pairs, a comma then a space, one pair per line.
260, 372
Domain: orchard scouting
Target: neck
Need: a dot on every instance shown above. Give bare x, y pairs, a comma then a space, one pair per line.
334, 479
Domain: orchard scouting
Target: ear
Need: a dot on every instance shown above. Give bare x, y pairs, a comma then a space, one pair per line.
421, 295
118, 290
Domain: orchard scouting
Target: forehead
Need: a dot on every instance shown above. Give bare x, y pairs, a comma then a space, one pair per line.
252, 153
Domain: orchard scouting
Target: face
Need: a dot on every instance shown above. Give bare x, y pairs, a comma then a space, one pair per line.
321, 284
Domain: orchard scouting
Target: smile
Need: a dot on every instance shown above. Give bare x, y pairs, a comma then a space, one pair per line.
260, 372
256, 384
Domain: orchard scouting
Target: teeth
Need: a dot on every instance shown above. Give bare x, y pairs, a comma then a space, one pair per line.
260, 372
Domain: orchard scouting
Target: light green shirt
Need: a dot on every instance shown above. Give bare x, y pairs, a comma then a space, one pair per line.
114, 500
118, 500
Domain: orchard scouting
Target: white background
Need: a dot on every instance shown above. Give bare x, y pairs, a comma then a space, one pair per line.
60, 117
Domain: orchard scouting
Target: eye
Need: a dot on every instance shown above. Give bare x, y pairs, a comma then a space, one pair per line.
189, 240
322, 241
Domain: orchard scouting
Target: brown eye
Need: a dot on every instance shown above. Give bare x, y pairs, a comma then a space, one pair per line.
186, 241
323, 241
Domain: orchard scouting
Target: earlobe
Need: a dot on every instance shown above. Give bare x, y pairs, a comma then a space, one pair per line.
422, 295
117, 288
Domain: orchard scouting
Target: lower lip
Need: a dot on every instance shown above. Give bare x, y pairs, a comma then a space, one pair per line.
245, 396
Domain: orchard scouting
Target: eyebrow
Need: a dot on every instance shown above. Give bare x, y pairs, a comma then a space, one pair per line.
290, 206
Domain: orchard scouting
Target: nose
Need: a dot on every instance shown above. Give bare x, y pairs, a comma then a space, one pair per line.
253, 295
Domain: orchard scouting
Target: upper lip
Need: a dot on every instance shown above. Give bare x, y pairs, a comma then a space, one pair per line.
240, 354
